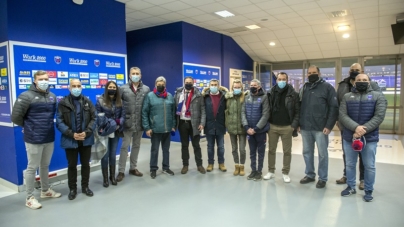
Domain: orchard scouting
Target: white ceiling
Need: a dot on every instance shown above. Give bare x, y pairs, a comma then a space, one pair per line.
301, 29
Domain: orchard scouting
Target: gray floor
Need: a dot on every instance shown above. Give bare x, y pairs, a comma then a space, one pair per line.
216, 199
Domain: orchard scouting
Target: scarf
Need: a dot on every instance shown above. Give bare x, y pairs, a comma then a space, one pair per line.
160, 94
277, 96
187, 104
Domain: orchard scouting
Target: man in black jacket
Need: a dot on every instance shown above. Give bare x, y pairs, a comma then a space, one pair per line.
318, 114
284, 120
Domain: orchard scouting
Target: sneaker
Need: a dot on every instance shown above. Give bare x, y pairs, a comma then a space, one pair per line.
153, 174
321, 184
362, 185
251, 176
50, 194
258, 176
306, 180
269, 176
368, 196
341, 181
168, 171
348, 191
286, 178
33, 203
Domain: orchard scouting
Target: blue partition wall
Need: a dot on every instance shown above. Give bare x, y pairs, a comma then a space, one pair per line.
95, 25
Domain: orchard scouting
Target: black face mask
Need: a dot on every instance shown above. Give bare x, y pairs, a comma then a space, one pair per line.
111, 92
361, 86
160, 88
353, 74
253, 90
313, 78
189, 86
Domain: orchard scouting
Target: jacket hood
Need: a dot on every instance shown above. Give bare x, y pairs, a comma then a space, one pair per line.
206, 91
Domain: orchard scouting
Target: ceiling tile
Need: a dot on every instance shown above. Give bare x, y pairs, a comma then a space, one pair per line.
138, 5
129, 10
289, 42
328, 46
282, 57
259, 15
311, 39
247, 9
287, 33
238, 39
269, 58
366, 9
158, 2
319, 16
310, 12
271, 4
286, 16
266, 36
297, 56
367, 23
222, 26
322, 28
299, 24
390, 6
398, 10
256, 45
402, 49
385, 32
310, 48
348, 44
314, 55
326, 38
213, 7
277, 50
349, 52
336, 7
250, 38
138, 15
235, 3
292, 20
308, 6
204, 17
374, 42
324, 3
156, 20
395, 49
234, 19
360, 4
352, 36
385, 21
331, 53
198, 3
278, 27
190, 20
319, 22
294, 2
217, 22
244, 46
191, 12
173, 16
365, 15
262, 51
367, 33
280, 10
369, 51
293, 49
174, 6
386, 41
303, 31
156, 11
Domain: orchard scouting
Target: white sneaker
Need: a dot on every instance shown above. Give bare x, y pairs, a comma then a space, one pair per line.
50, 194
286, 178
33, 203
269, 176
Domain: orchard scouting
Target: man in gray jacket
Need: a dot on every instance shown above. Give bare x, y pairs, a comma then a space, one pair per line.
132, 94
191, 116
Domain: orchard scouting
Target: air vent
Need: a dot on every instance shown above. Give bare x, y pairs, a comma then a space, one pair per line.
236, 29
340, 13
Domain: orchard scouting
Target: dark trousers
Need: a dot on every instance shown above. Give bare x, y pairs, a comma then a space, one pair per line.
361, 167
186, 132
257, 144
72, 157
156, 139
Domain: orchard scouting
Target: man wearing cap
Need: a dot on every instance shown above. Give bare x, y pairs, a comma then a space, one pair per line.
361, 112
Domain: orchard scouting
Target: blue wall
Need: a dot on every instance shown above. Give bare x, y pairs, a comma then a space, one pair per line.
8, 156
3, 21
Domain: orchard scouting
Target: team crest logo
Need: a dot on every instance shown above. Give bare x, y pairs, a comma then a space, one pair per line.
96, 62
196, 71
58, 59
51, 99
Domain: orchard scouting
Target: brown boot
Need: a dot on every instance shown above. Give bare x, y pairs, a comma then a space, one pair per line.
184, 170
120, 177
342, 180
236, 170
201, 169
242, 173
105, 181
222, 167
135, 172
362, 185
112, 174
209, 168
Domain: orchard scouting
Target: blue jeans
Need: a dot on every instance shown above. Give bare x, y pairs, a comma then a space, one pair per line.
257, 144
318, 137
156, 139
211, 148
368, 158
110, 156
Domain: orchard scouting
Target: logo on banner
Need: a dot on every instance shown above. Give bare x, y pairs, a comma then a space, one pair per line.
58, 98
51, 86
64, 86
196, 71
3, 72
25, 80
111, 76
120, 82
51, 74
3, 99
24, 73
73, 75
51, 99
53, 81
85, 81
111, 64
215, 73
103, 81
94, 75
189, 71
57, 59
63, 74
58, 87
103, 75
84, 75
87, 86
3, 87
73, 61
33, 58
203, 72
63, 81
94, 81
4, 81
96, 62
209, 73
93, 86
1, 59
22, 86
119, 76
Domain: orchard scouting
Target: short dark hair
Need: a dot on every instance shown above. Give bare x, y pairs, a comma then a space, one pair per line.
282, 73
189, 77
39, 73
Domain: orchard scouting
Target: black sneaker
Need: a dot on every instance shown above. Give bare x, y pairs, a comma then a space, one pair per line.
153, 174
306, 180
168, 171
258, 176
320, 184
251, 176
368, 196
348, 191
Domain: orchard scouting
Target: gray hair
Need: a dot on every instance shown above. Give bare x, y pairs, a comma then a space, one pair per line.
256, 81
159, 79
214, 80
135, 68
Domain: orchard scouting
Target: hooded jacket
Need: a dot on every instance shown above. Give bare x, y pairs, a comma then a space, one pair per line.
215, 125
234, 105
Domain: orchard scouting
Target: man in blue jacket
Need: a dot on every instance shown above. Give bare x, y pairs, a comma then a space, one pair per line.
34, 110
361, 112
76, 121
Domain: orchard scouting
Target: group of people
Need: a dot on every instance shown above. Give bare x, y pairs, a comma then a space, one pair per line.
254, 115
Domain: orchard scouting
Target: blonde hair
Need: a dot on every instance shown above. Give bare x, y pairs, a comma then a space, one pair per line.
237, 81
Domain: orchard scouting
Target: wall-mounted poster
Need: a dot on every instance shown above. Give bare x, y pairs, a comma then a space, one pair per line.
5, 102
202, 74
244, 75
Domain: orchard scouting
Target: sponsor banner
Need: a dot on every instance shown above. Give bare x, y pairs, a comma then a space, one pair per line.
53, 81
103, 81
74, 75
24, 73
94, 81
84, 75
63, 74
93, 75
120, 76
51, 74
202, 74
103, 75
25, 80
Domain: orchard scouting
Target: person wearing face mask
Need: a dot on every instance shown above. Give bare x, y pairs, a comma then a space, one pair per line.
109, 106
361, 113
284, 119
34, 110
254, 116
344, 87
75, 119
215, 105
132, 95
159, 121
318, 114
235, 100
190, 121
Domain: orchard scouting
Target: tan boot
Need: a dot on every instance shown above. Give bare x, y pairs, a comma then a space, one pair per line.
209, 168
236, 170
222, 167
242, 173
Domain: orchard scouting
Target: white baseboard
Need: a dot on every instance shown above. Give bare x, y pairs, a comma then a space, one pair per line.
9, 185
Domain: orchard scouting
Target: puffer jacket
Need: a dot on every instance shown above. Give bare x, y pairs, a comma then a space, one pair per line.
367, 109
35, 111
319, 106
215, 126
132, 104
158, 114
234, 105
345, 86
66, 121
197, 109
292, 104
255, 112
115, 113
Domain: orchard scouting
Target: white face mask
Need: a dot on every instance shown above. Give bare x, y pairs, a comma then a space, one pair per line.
43, 84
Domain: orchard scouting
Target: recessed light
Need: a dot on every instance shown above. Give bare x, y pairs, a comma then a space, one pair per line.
272, 44
345, 36
253, 26
224, 13
343, 27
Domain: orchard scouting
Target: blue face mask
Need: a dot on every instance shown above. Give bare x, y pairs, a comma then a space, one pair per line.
135, 78
281, 84
76, 92
213, 89
237, 91
43, 85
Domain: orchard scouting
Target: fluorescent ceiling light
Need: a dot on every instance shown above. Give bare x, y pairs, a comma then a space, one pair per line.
343, 27
272, 44
345, 36
253, 26
224, 13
